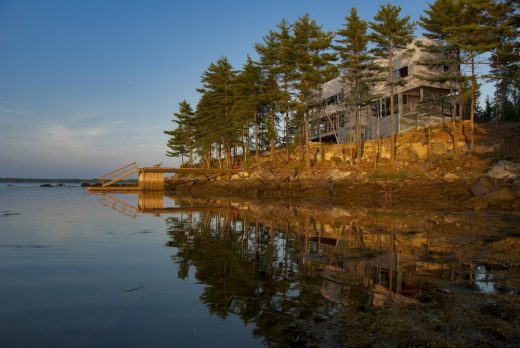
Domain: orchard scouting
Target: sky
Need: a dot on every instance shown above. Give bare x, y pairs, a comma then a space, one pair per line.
89, 86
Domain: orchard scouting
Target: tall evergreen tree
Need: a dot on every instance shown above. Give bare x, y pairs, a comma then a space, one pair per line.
505, 59
391, 34
181, 142
313, 68
475, 35
442, 56
357, 67
285, 71
217, 89
269, 52
248, 90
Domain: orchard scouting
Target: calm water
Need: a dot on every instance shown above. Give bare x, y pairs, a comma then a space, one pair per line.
138, 271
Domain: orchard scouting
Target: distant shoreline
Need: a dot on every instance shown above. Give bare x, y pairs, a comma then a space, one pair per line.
64, 181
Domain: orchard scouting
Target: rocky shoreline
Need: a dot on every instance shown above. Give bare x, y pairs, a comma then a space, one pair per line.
498, 189
430, 172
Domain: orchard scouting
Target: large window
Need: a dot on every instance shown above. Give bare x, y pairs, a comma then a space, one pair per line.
335, 99
400, 73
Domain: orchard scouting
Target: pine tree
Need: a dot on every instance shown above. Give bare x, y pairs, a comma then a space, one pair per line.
442, 57
313, 68
357, 67
269, 52
475, 35
205, 136
181, 142
391, 34
217, 92
248, 90
505, 60
285, 71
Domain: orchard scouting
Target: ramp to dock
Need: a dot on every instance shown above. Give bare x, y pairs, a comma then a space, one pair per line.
149, 178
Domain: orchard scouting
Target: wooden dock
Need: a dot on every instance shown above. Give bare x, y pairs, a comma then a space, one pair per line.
149, 178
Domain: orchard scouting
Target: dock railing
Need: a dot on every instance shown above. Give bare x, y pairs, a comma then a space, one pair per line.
119, 174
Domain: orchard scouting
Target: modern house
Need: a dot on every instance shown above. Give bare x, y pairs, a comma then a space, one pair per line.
333, 121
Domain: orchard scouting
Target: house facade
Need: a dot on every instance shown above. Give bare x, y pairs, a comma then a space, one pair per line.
334, 121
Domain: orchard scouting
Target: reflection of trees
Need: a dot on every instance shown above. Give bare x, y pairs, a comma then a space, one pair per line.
285, 269
251, 271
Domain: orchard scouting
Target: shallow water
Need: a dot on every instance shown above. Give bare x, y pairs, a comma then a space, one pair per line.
147, 270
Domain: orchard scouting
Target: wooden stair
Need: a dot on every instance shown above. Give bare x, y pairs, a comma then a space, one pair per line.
119, 174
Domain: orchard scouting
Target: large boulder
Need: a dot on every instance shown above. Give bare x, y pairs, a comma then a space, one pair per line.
450, 178
479, 203
420, 150
261, 174
337, 175
482, 187
329, 155
440, 148
500, 197
516, 187
504, 170
483, 149
462, 146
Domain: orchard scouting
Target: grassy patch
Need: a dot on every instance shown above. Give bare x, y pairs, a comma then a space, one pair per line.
394, 214
378, 174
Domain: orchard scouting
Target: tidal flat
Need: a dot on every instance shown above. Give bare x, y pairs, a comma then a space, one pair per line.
155, 270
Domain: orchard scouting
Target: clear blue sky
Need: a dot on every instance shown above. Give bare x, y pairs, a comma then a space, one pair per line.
87, 86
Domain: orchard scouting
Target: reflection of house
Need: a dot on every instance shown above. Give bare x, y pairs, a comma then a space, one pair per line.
333, 118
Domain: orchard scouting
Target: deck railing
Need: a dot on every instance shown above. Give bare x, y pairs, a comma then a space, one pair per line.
119, 174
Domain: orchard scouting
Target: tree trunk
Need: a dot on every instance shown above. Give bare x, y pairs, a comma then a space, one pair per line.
392, 127
244, 148
286, 88
378, 130
273, 139
257, 143
228, 155
392, 116
234, 158
288, 152
191, 157
358, 134
307, 143
473, 97
453, 125
428, 140
219, 155
351, 141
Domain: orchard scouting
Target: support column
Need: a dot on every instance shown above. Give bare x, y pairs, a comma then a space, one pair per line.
399, 111
151, 181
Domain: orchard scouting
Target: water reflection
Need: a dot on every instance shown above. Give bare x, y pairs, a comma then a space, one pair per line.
289, 268
378, 251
